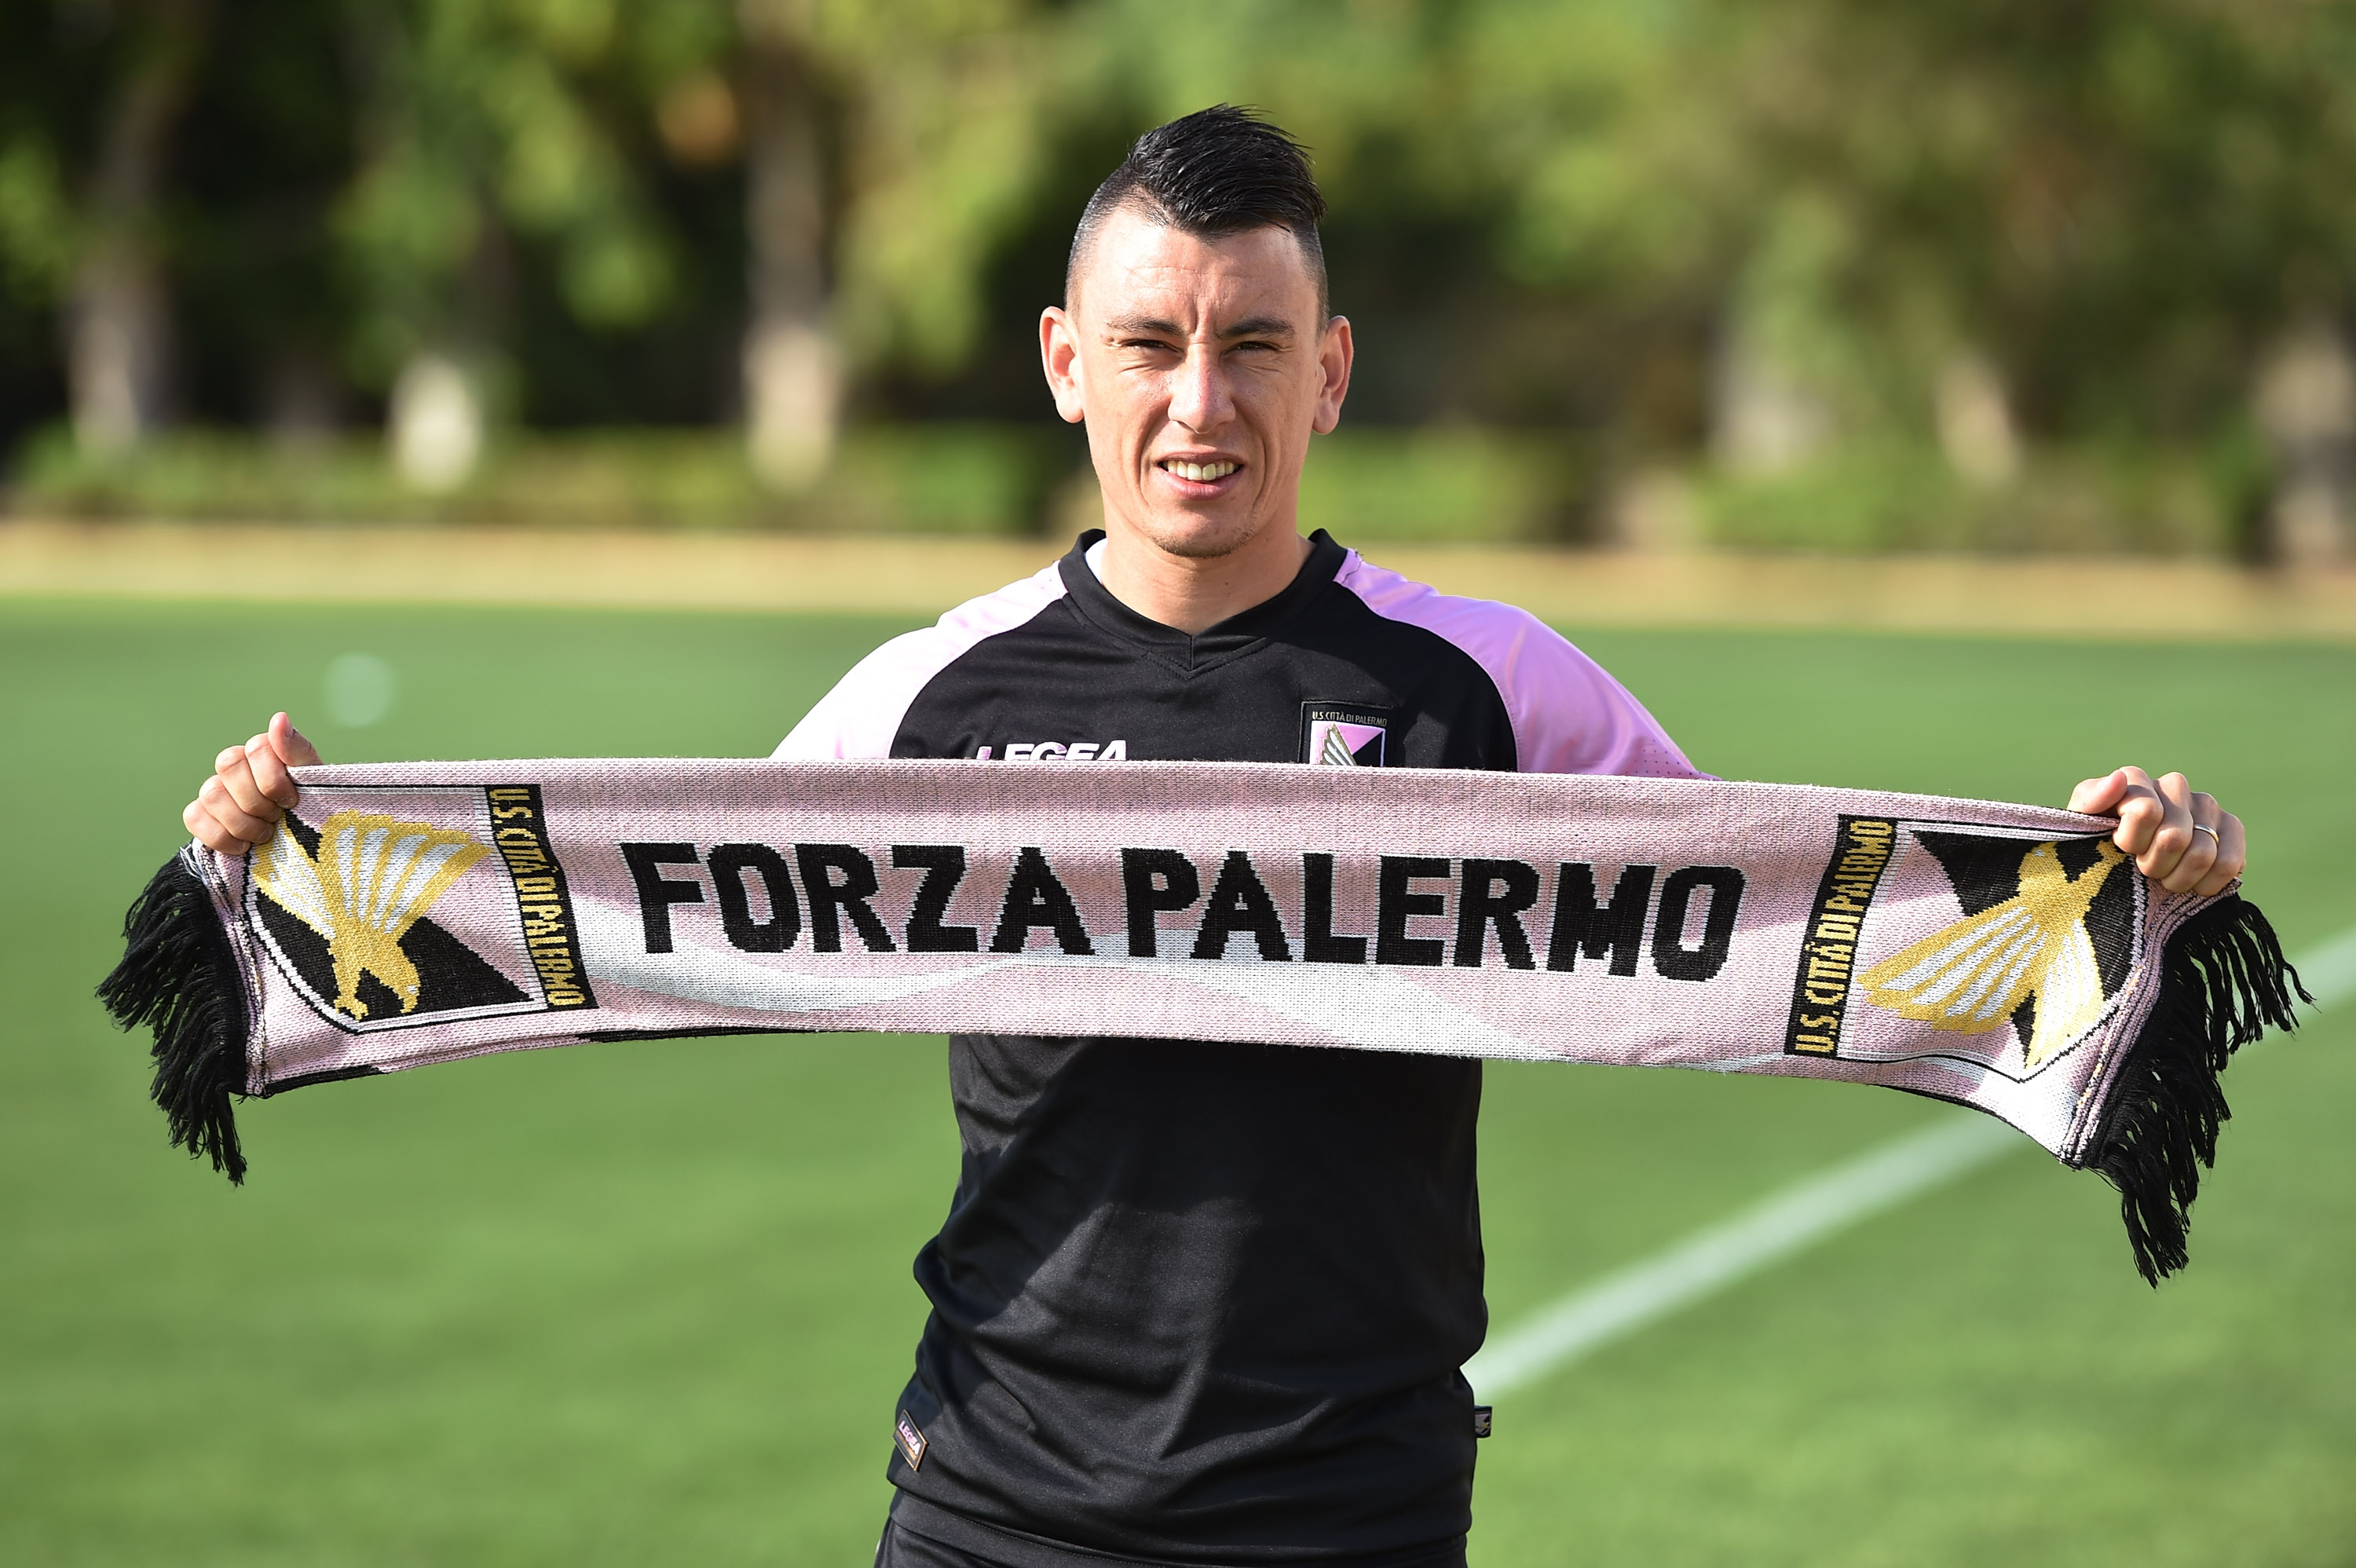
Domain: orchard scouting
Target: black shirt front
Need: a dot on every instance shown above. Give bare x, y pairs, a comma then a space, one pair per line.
1194, 1302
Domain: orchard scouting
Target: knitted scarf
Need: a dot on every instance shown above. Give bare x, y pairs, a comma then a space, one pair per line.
2005, 957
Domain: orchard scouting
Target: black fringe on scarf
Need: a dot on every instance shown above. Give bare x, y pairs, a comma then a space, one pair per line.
180, 977
2223, 981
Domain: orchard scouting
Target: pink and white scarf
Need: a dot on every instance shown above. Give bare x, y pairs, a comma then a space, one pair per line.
2006, 957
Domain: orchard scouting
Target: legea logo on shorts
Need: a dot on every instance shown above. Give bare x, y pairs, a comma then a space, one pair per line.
1058, 752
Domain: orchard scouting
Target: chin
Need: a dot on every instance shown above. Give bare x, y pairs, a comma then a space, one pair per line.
1201, 537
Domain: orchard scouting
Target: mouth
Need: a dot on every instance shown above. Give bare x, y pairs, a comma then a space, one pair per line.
1200, 477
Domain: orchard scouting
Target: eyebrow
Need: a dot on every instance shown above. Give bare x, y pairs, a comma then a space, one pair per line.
1250, 326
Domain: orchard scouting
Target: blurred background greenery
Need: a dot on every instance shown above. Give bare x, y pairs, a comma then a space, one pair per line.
1995, 274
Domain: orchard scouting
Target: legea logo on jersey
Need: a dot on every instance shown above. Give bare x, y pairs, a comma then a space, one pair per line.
1057, 751
1340, 735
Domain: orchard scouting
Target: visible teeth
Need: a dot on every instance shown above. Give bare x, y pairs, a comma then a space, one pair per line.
1201, 473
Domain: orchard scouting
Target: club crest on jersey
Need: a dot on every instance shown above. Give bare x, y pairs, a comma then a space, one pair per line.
1342, 735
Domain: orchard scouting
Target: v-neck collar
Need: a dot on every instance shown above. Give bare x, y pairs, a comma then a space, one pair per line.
1238, 634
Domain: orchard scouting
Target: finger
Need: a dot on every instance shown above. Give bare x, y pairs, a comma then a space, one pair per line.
2139, 809
2173, 834
2200, 848
216, 802
270, 774
236, 776
210, 833
2095, 797
247, 826
2232, 855
293, 747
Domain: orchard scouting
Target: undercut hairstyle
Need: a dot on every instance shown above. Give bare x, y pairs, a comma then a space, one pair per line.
1220, 171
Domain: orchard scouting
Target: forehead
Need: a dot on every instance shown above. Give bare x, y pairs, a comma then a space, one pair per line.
1137, 266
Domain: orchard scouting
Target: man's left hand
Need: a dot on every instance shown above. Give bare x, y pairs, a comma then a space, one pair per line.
2179, 838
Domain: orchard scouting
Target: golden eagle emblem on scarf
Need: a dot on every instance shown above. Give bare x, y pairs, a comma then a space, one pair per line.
1973, 975
371, 878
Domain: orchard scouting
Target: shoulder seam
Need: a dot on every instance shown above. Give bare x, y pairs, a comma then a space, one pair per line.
861, 716
1580, 722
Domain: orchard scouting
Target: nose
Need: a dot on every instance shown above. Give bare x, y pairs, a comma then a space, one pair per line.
1199, 398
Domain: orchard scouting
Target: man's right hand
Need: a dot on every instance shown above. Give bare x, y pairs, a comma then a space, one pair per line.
239, 805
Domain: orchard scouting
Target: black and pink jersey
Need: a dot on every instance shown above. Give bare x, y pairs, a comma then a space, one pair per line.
1206, 1303
1054, 667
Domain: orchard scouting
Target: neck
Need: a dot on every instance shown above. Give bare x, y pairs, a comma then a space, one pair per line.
1195, 594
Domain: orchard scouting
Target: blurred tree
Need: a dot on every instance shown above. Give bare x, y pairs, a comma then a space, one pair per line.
896, 134
791, 387
38, 76
1770, 229
1990, 218
2306, 407
935, 110
263, 149
118, 323
482, 120
85, 135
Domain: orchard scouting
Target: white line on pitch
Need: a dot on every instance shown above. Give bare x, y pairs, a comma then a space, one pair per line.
2329, 971
1790, 1222
1706, 1262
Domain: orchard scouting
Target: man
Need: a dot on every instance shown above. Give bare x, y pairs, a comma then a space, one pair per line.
1206, 1304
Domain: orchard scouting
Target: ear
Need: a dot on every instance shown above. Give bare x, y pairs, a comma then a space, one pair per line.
1334, 354
1059, 356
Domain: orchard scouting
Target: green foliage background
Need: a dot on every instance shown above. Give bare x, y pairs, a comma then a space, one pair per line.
1549, 216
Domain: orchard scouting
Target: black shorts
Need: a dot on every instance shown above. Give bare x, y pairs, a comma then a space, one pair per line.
898, 1549
980, 1546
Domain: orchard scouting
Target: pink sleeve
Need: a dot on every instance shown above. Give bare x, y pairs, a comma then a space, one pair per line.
1568, 715
861, 717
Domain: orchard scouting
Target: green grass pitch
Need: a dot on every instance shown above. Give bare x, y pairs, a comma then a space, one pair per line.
649, 1303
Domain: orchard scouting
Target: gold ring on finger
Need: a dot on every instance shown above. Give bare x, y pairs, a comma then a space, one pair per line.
2205, 828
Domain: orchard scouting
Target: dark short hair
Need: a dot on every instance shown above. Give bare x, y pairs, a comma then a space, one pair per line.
1219, 171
